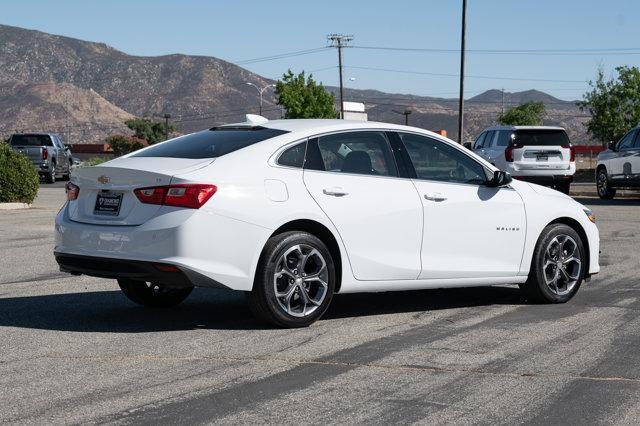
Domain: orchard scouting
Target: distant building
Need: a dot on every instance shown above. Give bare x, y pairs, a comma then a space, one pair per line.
354, 111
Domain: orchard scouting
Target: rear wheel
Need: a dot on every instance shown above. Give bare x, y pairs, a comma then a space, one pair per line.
152, 294
557, 267
294, 281
605, 191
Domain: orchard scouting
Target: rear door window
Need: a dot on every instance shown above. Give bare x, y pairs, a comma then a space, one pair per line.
504, 136
365, 153
31, 140
211, 143
541, 137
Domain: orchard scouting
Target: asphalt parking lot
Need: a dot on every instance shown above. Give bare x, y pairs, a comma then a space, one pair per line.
74, 349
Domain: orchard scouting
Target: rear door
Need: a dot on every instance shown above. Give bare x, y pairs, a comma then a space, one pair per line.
541, 149
621, 166
470, 230
354, 179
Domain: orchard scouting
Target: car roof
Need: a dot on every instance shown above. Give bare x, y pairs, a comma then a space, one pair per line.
524, 128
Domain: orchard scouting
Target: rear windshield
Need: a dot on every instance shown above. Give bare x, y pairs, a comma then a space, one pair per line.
540, 137
211, 143
31, 140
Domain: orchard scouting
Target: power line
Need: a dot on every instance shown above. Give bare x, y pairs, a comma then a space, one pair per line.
280, 56
586, 52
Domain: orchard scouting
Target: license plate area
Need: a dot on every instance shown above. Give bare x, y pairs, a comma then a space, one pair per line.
108, 203
542, 157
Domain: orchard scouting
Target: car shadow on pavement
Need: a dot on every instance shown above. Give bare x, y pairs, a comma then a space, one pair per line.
615, 202
111, 312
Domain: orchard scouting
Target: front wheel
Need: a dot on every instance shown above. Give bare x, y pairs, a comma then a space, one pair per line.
294, 281
557, 267
602, 184
152, 294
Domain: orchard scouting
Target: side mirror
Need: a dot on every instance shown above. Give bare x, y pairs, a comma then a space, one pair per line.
499, 179
467, 145
611, 145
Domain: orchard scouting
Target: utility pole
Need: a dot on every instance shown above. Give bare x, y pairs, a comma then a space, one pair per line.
406, 114
503, 100
339, 41
166, 126
461, 103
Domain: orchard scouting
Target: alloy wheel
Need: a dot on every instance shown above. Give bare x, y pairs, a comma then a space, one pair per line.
300, 280
562, 264
602, 184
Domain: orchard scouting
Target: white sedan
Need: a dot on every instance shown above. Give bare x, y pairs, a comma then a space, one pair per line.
294, 211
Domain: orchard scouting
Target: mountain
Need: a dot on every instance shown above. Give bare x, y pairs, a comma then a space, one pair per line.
49, 81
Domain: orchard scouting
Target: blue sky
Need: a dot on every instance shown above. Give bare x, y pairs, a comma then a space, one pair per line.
241, 30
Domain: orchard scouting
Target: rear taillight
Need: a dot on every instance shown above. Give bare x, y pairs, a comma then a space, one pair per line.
72, 191
572, 155
508, 153
189, 196
45, 153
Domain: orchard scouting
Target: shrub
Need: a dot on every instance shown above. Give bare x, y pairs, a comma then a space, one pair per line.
121, 144
18, 179
94, 161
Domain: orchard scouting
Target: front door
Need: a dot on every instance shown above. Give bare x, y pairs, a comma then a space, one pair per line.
354, 179
470, 230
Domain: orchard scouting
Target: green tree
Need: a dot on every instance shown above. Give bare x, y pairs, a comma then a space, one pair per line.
304, 98
18, 179
121, 144
614, 104
527, 114
151, 131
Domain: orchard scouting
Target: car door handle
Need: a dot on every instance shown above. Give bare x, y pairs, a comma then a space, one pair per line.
335, 192
435, 196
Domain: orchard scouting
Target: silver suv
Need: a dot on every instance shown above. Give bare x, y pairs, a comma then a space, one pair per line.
538, 154
50, 157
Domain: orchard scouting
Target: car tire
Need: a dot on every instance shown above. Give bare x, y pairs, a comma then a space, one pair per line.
51, 176
564, 187
152, 295
605, 191
294, 281
548, 282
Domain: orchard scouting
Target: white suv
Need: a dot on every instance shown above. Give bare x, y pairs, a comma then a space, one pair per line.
539, 154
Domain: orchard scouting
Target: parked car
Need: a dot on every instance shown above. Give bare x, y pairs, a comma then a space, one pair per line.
293, 211
50, 157
539, 154
619, 166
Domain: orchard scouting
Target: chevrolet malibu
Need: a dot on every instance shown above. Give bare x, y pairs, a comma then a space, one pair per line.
295, 211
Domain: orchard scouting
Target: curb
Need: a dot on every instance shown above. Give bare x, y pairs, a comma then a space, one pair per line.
14, 206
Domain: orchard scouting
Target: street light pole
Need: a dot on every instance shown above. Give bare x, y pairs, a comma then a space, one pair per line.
461, 102
166, 126
260, 91
406, 114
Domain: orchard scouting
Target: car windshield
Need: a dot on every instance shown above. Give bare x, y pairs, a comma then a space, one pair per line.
211, 143
31, 140
541, 137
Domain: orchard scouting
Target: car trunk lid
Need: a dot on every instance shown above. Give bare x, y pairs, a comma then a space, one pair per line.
107, 195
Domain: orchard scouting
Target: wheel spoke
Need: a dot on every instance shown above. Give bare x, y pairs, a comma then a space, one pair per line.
561, 265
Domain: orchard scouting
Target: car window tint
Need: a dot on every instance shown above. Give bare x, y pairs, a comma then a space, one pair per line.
436, 160
294, 156
504, 136
636, 144
211, 143
352, 152
31, 140
540, 137
627, 140
478, 143
490, 139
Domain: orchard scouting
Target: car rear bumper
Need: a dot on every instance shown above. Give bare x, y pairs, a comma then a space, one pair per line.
209, 249
546, 180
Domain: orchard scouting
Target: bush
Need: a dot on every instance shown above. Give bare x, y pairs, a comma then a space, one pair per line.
94, 161
121, 144
18, 179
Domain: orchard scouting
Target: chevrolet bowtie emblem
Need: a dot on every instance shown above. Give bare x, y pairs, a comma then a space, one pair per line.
103, 179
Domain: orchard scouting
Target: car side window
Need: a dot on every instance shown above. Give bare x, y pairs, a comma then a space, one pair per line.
478, 143
490, 139
636, 144
366, 153
294, 156
504, 136
627, 140
436, 160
